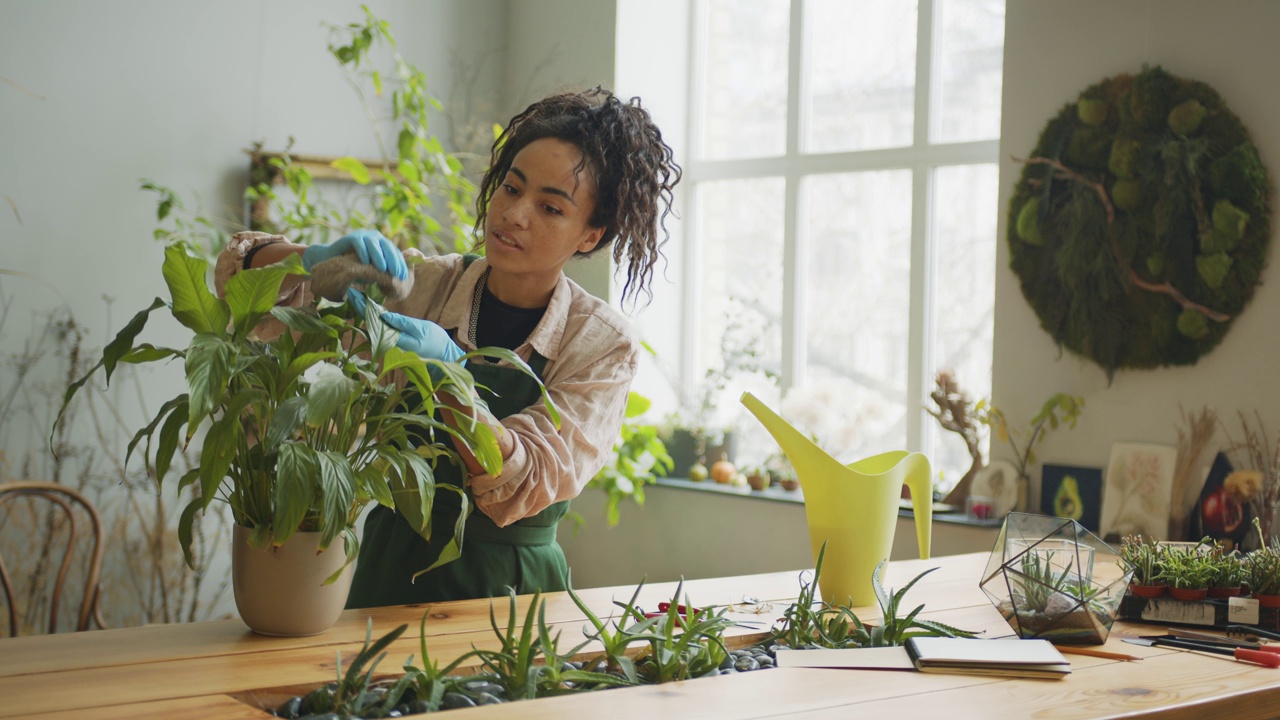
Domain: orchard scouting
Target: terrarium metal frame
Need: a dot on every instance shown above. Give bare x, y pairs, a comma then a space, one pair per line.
1051, 578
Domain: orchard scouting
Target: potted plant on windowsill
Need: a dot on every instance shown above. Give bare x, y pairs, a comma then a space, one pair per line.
300, 433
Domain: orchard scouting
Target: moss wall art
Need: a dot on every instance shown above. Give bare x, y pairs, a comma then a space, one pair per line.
1140, 223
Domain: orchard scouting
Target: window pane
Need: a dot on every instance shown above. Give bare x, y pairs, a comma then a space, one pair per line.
858, 227
860, 89
970, 42
740, 300
744, 79
964, 241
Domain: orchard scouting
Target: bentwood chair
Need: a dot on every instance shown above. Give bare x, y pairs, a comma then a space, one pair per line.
53, 514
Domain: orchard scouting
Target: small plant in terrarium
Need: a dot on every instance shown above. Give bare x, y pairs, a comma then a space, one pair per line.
1044, 585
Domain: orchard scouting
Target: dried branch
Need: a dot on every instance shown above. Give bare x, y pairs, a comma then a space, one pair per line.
956, 413
1163, 288
1194, 434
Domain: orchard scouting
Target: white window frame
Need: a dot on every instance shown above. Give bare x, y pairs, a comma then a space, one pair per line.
921, 157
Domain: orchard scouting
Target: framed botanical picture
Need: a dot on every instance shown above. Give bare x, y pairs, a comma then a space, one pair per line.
1072, 492
1138, 485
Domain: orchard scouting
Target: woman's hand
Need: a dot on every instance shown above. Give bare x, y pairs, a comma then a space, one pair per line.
369, 246
427, 339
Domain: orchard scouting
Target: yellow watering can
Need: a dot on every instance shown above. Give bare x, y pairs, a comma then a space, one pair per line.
852, 508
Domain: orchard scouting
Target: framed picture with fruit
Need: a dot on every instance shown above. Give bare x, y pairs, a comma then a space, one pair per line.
1222, 512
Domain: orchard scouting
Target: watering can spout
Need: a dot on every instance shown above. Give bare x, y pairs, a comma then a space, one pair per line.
804, 454
852, 509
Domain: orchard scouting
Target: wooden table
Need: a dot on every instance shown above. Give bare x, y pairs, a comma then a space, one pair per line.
221, 670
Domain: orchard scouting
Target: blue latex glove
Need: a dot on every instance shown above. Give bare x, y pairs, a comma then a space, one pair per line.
427, 339
369, 246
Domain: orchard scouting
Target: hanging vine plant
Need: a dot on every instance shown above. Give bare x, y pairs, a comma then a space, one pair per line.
1139, 226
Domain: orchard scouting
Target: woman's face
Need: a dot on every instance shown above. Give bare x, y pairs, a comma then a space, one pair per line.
538, 215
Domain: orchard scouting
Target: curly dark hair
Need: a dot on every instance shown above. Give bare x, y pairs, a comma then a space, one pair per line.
623, 150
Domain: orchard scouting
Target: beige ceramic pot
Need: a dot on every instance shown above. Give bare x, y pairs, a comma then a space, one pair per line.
281, 591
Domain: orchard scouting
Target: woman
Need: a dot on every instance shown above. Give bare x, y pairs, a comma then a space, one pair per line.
572, 174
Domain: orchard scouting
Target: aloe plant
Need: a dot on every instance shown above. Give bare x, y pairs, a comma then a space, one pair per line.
302, 432
809, 623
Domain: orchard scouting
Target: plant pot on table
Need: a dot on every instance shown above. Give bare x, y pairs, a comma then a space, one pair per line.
1148, 591
1188, 594
1226, 592
282, 591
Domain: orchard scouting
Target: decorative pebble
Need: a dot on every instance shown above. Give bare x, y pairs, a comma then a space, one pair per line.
289, 708
456, 700
746, 664
488, 699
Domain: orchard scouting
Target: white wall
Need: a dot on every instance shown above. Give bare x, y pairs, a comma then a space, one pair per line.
557, 46
1053, 50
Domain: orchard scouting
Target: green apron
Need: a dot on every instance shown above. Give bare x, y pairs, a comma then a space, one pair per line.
523, 555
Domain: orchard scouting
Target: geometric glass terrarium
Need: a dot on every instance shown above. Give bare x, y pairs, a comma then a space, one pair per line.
1051, 578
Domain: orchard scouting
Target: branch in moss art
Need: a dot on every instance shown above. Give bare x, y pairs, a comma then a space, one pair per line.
1163, 288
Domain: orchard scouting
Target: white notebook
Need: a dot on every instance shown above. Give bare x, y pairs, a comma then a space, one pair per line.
1006, 656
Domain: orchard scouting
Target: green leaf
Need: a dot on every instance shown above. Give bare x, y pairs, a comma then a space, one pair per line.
185, 524
354, 168
414, 493
219, 449
381, 336
288, 417
151, 427
209, 362
405, 144
146, 352
114, 352
637, 404
409, 171
297, 474
453, 549
329, 391
337, 493
299, 365
252, 294
303, 320
169, 440
374, 482
194, 305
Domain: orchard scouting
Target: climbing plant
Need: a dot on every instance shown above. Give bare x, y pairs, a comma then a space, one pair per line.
1139, 226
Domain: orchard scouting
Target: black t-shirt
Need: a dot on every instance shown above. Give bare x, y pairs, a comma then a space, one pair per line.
502, 325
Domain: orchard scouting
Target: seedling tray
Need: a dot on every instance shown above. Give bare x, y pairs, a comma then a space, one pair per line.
1211, 613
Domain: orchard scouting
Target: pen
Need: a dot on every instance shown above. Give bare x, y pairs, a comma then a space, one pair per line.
1072, 650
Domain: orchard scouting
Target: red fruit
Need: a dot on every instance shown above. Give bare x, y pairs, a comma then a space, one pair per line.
1221, 512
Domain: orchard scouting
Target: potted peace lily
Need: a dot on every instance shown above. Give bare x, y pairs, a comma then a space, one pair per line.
300, 433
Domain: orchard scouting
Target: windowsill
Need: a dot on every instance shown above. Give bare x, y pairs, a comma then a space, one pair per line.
774, 494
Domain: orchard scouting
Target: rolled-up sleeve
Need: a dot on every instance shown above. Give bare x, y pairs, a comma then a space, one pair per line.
589, 388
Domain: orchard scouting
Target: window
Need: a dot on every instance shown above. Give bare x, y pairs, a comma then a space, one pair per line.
841, 203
